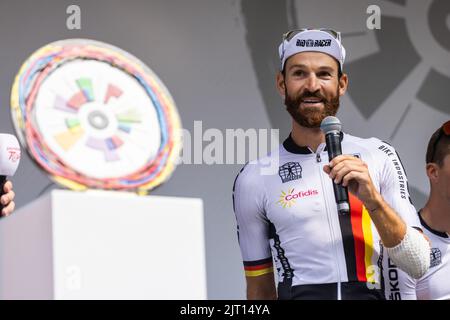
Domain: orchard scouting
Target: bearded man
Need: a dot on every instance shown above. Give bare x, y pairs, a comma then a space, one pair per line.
290, 220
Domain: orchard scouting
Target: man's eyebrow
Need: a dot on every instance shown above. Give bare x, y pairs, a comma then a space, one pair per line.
302, 66
326, 68
297, 66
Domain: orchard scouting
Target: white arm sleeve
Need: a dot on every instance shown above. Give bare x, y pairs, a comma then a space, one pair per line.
394, 187
412, 255
252, 224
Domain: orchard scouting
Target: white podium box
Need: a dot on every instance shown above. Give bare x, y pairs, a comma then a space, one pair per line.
104, 245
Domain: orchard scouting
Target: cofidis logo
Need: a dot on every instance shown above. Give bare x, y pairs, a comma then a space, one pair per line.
287, 199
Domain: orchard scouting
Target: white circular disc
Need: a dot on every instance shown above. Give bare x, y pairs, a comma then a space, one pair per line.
98, 119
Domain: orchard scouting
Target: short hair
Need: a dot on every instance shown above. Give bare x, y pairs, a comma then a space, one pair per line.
436, 152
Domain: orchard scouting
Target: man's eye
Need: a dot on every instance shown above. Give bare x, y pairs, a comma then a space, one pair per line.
324, 74
299, 73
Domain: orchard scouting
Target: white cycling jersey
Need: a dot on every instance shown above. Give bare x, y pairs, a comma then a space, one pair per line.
291, 217
434, 285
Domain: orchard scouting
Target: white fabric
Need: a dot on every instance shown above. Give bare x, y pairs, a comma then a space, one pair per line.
434, 285
412, 255
312, 40
292, 216
9, 154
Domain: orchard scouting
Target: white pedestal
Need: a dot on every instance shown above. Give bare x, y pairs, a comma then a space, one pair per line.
103, 245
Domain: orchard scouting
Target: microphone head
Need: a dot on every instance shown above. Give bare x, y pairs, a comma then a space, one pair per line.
330, 124
9, 154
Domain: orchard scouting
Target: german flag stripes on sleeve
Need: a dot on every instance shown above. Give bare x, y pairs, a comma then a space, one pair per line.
258, 267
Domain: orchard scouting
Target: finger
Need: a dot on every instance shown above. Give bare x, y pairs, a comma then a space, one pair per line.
357, 168
5, 199
337, 168
327, 169
7, 187
9, 209
354, 175
335, 161
341, 158
338, 173
347, 161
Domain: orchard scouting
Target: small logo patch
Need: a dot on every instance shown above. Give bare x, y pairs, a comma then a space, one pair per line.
435, 258
290, 171
313, 43
287, 199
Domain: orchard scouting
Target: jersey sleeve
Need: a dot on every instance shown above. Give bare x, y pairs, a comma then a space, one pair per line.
394, 186
398, 284
252, 224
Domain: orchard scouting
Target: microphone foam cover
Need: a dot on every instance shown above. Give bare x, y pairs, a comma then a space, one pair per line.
9, 154
330, 124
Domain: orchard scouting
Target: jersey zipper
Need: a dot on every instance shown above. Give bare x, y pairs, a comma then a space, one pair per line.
330, 224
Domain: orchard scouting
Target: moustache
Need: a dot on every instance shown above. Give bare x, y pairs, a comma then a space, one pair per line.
308, 94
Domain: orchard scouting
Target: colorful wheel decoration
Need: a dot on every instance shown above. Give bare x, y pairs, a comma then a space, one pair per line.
93, 116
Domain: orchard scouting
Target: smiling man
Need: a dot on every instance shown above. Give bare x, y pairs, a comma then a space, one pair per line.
291, 218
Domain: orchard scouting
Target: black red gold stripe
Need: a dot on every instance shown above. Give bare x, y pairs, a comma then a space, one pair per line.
357, 239
258, 267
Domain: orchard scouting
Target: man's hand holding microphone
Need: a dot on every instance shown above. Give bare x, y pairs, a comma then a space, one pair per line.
9, 161
347, 171
350, 173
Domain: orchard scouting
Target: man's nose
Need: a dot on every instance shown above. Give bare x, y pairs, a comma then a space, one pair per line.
312, 83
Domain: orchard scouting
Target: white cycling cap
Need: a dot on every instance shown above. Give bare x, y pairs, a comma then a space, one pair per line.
320, 40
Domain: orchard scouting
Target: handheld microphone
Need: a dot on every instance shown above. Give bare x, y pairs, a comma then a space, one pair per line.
9, 159
331, 126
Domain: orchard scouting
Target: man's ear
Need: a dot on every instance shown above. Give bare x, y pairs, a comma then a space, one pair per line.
432, 171
343, 84
281, 86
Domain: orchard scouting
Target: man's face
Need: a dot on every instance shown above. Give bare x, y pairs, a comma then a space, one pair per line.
311, 87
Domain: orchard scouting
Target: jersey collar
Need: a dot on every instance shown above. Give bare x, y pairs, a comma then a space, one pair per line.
438, 233
292, 147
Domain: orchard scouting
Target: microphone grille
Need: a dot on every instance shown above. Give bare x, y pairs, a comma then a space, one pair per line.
329, 124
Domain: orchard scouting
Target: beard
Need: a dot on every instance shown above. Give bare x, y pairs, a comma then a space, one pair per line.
311, 117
